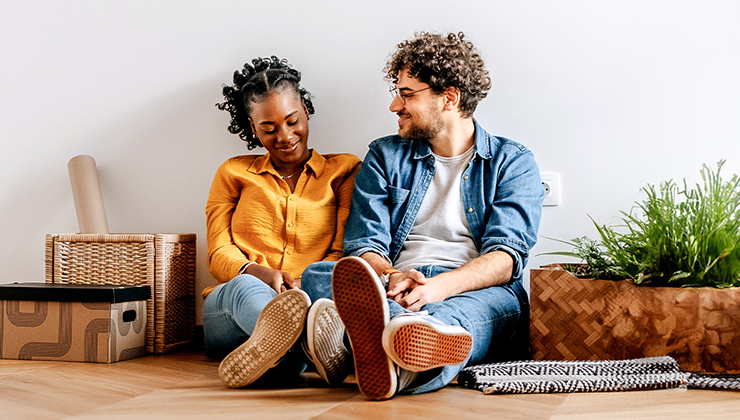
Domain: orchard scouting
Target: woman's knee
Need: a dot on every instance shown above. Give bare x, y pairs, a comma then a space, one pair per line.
241, 290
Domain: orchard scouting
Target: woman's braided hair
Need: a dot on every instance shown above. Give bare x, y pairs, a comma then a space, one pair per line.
252, 84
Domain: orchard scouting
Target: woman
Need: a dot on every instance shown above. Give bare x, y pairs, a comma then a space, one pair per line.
268, 217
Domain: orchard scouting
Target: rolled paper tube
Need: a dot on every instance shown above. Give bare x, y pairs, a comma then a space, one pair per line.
83, 174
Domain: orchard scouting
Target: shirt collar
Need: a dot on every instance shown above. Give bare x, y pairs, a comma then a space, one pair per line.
482, 148
316, 164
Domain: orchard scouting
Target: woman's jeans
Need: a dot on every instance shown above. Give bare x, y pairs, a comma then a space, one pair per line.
230, 313
497, 318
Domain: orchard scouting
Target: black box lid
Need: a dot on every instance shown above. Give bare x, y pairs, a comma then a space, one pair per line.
61, 292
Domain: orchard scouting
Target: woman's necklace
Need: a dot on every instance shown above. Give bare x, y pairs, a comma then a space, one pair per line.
289, 176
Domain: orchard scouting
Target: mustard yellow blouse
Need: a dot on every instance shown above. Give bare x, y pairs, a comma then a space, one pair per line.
251, 215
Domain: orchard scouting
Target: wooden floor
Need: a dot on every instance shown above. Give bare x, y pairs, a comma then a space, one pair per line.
186, 386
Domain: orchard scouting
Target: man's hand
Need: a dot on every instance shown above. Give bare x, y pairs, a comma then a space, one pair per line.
276, 279
432, 291
492, 269
401, 283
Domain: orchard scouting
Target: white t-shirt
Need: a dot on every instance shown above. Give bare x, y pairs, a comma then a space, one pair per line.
440, 234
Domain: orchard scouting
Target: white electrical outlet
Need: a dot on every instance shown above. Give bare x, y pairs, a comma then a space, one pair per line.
551, 184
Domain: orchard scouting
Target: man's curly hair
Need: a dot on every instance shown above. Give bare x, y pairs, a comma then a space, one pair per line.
252, 84
443, 62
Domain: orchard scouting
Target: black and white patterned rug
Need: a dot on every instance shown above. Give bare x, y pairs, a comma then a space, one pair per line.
529, 377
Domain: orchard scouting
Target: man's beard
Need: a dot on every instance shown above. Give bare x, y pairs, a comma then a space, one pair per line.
429, 130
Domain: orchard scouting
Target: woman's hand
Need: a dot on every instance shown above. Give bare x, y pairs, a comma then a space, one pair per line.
276, 279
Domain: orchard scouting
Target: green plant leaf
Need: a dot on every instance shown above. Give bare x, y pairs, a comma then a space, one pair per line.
692, 232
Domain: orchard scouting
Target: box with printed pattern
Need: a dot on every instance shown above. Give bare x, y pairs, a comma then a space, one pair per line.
81, 323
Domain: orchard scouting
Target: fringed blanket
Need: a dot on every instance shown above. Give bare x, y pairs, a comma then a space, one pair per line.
716, 381
529, 377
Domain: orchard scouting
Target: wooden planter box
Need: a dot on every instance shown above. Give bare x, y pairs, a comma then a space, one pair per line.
585, 319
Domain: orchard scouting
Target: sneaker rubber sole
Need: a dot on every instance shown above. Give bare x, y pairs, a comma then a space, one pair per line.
325, 335
278, 327
416, 344
362, 306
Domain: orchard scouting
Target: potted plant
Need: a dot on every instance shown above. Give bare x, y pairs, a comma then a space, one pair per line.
662, 283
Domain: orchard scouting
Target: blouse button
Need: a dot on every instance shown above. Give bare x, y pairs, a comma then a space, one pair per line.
465, 177
290, 224
470, 210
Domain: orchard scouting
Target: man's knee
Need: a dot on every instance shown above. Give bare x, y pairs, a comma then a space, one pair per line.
316, 280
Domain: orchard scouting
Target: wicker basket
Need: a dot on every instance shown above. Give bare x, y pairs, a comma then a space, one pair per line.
583, 319
165, 262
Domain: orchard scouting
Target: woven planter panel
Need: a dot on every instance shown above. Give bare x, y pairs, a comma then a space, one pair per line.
166, 262
584, 319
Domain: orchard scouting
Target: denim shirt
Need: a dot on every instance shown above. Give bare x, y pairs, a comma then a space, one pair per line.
501, 192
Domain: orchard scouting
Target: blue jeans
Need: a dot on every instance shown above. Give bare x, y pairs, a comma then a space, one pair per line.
497, 318
230, 313
316, 280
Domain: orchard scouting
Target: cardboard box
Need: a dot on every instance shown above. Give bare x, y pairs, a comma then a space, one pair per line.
70, 322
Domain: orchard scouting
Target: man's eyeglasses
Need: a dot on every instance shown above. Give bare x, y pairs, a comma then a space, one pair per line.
394, 92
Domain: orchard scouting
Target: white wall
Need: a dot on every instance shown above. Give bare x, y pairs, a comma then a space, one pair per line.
610, 94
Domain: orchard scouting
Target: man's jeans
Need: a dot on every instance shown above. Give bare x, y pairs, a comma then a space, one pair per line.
230, 313
497, 318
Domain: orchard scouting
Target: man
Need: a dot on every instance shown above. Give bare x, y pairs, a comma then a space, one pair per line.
443, 217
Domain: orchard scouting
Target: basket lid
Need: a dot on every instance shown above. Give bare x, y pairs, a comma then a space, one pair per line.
62, 292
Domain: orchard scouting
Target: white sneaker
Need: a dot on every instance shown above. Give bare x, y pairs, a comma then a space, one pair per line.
324, 342
418, 342
405, 378
278, 327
